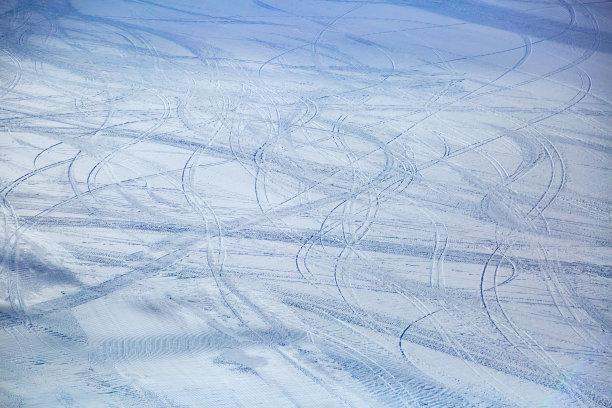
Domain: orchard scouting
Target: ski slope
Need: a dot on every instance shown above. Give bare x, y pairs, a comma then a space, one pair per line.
323, 203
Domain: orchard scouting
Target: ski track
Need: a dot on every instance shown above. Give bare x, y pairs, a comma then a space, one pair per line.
295, 204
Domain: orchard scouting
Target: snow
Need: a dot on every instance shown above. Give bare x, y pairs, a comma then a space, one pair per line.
305, 204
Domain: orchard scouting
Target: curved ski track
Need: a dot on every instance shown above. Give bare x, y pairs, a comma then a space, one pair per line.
298, 204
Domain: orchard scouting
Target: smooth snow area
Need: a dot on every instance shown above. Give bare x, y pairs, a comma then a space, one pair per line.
275, 203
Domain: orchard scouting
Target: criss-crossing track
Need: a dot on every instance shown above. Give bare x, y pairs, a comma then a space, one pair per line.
331, 203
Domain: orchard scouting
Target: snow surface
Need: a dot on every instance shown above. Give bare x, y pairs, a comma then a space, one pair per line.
385, 203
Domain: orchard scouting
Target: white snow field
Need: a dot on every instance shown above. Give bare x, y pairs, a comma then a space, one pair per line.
284, 203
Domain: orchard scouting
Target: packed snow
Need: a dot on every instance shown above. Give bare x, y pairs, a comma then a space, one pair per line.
283, 203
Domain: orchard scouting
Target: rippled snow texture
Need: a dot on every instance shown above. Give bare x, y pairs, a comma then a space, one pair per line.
305, 203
